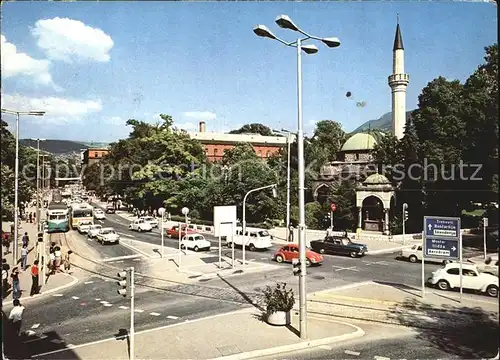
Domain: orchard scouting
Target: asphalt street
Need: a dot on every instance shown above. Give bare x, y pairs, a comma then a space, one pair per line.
92, 310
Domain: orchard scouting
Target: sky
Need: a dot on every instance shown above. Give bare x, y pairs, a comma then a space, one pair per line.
93, 65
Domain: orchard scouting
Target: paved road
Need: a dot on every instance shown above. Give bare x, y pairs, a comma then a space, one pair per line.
92, 310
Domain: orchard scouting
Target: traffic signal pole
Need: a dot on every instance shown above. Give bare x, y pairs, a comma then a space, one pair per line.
132, 330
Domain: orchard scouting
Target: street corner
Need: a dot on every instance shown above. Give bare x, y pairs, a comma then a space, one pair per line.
321, 331
55, 284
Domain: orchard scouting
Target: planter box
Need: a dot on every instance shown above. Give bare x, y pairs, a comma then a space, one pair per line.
279, 318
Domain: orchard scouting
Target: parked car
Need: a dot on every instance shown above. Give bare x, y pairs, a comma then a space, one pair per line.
140, 225
339, 245
489, 266
289, 252
99, 214
108, 235
256, 239
110, 209
195, 242
173, 232
448, 277
152, 221
415, 254
93, 231
83, 228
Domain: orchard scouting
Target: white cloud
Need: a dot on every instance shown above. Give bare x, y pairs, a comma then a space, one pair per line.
20, 64
56, 109
67, 40
200, 115
188, 126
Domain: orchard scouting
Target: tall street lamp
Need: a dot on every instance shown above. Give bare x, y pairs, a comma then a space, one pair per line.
38, 182
272, 186
161, 212
285, 22
16, 174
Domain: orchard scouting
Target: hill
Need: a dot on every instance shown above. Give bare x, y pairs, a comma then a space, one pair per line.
56, 146
384, 123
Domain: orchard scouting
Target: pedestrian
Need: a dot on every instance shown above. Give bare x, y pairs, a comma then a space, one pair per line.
58, 257
26, 239
67, 261
290, 233
16, 316
30, 216
34, 278
5, 277
16, 287
34, 217
154, 213
6, 242
24, 257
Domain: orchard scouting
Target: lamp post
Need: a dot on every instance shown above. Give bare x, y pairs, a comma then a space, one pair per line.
285, 22
273, 186
16, 172
185, 212
38, 178
161, 211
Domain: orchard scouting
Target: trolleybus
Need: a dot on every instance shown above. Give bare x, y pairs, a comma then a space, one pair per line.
80, 213
57, 217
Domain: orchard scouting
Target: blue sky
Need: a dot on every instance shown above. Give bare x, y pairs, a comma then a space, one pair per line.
93, 65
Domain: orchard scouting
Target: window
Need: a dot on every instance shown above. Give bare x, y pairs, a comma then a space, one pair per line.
253, 235
468, 272
268, 154
337, 242
260, 153
215, 152
453, 271
286, 248
419, 248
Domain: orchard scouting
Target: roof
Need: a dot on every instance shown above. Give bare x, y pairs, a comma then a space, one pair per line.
207, 137
398, 40
376, 179
359, 141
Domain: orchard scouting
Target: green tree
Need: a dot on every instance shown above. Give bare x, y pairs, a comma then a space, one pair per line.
253, 129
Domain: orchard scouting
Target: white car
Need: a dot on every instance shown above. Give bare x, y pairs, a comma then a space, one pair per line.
140, 225
151, 220
448, 277
255, 239
415, 254
99, 214
108, 235
195, 242
94, 230
83, 228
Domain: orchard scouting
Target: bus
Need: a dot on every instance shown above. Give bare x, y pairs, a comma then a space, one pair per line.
80, 213
57, 218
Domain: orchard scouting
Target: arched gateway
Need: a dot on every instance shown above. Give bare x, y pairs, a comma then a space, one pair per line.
373, 200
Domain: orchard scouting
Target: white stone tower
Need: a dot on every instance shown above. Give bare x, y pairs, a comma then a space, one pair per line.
398, 82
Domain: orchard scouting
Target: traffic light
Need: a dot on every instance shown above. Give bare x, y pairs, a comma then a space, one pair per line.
405, 212
296, 266
40, 237
406, 215
124, 283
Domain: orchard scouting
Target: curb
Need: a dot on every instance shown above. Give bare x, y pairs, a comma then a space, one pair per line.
298, 346
27, 298
351, 298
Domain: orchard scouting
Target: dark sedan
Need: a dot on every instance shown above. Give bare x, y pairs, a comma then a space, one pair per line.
339, 245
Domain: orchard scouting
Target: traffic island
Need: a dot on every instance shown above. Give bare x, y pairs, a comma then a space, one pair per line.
232, 336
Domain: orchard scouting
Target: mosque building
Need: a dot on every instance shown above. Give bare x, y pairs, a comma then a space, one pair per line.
374, 192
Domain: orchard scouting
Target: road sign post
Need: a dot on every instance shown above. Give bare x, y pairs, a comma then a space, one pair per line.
485, 225
442, 239
333, 207
126, 289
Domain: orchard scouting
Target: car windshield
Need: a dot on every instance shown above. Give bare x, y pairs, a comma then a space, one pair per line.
149, 218
263, 233
96, 227
106, 232
199, 237
346, 241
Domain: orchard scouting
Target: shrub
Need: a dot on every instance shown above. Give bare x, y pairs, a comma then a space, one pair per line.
278, 299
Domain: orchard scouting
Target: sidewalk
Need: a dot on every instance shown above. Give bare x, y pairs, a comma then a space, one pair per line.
53, 283
238, 335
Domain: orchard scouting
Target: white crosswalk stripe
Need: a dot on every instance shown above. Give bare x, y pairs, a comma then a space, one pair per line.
57, 295
75, 297
172, 317
123, 307
154, 314
88, 282
138, 310
108, 304
349, 352
35, 326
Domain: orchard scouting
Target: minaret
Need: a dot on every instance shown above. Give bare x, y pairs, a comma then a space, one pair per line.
398, 82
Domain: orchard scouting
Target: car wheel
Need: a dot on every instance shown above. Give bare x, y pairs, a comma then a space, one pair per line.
139, 229
443, 285
353, 254
251, 247
196, 248
492, 291
308, 262
413, 259
279, 258
321, 251
183, 247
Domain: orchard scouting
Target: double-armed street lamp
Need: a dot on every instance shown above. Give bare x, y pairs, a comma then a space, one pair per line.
38, 182
285, 22
273, 187
16, 174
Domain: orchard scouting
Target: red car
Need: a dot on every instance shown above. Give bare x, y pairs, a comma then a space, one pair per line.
174, 232
289, 252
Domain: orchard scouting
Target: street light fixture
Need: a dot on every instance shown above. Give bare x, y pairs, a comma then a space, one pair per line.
16, 176
161, 212
285, 22
38, 182
272, 186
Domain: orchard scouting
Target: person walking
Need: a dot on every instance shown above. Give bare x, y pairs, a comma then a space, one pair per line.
290, 233
34, 278
58, 257
5, 277
30, 216
16, 287
16, 316
24, 257
26, 239
67, 261
6, 242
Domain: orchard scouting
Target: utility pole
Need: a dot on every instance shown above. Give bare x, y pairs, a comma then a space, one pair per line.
127, 289
405, 217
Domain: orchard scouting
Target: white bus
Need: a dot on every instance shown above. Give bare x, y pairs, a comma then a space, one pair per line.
80, 213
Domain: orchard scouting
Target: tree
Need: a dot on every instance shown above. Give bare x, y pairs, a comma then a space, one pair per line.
253, 129
240, 152
343, 195
329, 136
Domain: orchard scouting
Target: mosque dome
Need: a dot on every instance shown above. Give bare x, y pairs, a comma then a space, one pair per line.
359, 142
376, 179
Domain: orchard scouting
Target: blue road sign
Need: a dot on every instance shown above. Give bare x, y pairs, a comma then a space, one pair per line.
442, 227
442, 248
